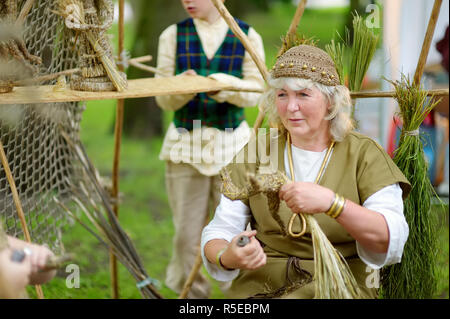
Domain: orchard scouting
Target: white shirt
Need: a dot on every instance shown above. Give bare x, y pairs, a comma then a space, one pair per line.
229, 143
232, 217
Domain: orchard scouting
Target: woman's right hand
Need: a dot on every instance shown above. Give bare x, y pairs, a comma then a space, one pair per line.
250, 257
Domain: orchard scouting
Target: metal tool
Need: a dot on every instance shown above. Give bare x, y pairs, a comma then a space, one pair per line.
242, 241
18, 255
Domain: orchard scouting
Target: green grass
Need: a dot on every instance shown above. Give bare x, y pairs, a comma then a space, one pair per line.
442, 268
144, 211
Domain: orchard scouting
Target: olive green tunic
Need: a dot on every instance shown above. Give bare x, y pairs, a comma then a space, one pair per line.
358, 168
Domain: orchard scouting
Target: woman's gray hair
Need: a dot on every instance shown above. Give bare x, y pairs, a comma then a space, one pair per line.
338, 96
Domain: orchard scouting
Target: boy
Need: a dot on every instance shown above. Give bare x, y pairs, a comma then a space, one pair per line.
211, 123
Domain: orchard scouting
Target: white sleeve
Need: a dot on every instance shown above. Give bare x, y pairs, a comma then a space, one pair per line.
252, 78
230, 219
389, 203
167, 46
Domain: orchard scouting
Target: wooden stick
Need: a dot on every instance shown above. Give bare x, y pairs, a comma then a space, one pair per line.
242, 37
145, 67
24, 12
194, 271
292, 30
297, 17
427, 41
117, 143
16, 199
436, 92
43, 78
141, 59
247, 45
48, 77
192, 275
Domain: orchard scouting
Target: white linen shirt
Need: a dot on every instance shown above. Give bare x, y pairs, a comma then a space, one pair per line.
232, 217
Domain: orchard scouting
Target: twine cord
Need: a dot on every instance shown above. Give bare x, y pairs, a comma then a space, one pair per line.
412, 133
148, 281
124, 59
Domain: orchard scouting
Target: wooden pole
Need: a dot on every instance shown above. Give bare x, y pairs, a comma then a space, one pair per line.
194, 271
245, 41
297, 17
192, 275
18, 205
145, 67
292, 30
116, 163
427, 41
242, 37
48, 77
362, 95
24, 12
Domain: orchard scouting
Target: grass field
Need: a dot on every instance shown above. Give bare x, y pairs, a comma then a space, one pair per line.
144, 211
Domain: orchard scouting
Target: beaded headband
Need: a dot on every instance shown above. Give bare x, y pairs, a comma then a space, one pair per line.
306, 62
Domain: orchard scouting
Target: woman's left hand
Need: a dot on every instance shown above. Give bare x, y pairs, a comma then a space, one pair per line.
303, 197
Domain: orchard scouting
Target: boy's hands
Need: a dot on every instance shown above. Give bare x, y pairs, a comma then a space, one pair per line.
188, 72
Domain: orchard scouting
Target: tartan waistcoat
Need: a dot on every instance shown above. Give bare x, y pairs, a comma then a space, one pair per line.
228, 59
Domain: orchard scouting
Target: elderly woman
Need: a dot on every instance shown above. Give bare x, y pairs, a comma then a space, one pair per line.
357, 199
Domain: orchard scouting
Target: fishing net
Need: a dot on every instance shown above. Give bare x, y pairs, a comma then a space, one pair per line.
42, 163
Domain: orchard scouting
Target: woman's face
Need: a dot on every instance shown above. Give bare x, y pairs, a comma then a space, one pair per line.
302, 112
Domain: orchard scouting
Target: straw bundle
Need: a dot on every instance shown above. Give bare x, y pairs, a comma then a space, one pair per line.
336, 51
362, 51
415, 276
291, 40
364, 47
106, 227
333, 278
73, 13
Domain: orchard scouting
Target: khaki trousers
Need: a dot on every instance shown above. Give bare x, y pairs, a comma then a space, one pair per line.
192, 197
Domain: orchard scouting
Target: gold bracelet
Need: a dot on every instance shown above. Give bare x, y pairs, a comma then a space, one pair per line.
218, 262
333, 205
337, 206
340, 207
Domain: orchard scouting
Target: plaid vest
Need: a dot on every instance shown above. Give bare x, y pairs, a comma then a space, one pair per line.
228, 59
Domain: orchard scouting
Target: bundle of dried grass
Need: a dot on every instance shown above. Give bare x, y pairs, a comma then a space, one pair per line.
336, 50
106, 227
291, 40
333, 278
415, 277
356, 64
364, 46
73, 13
